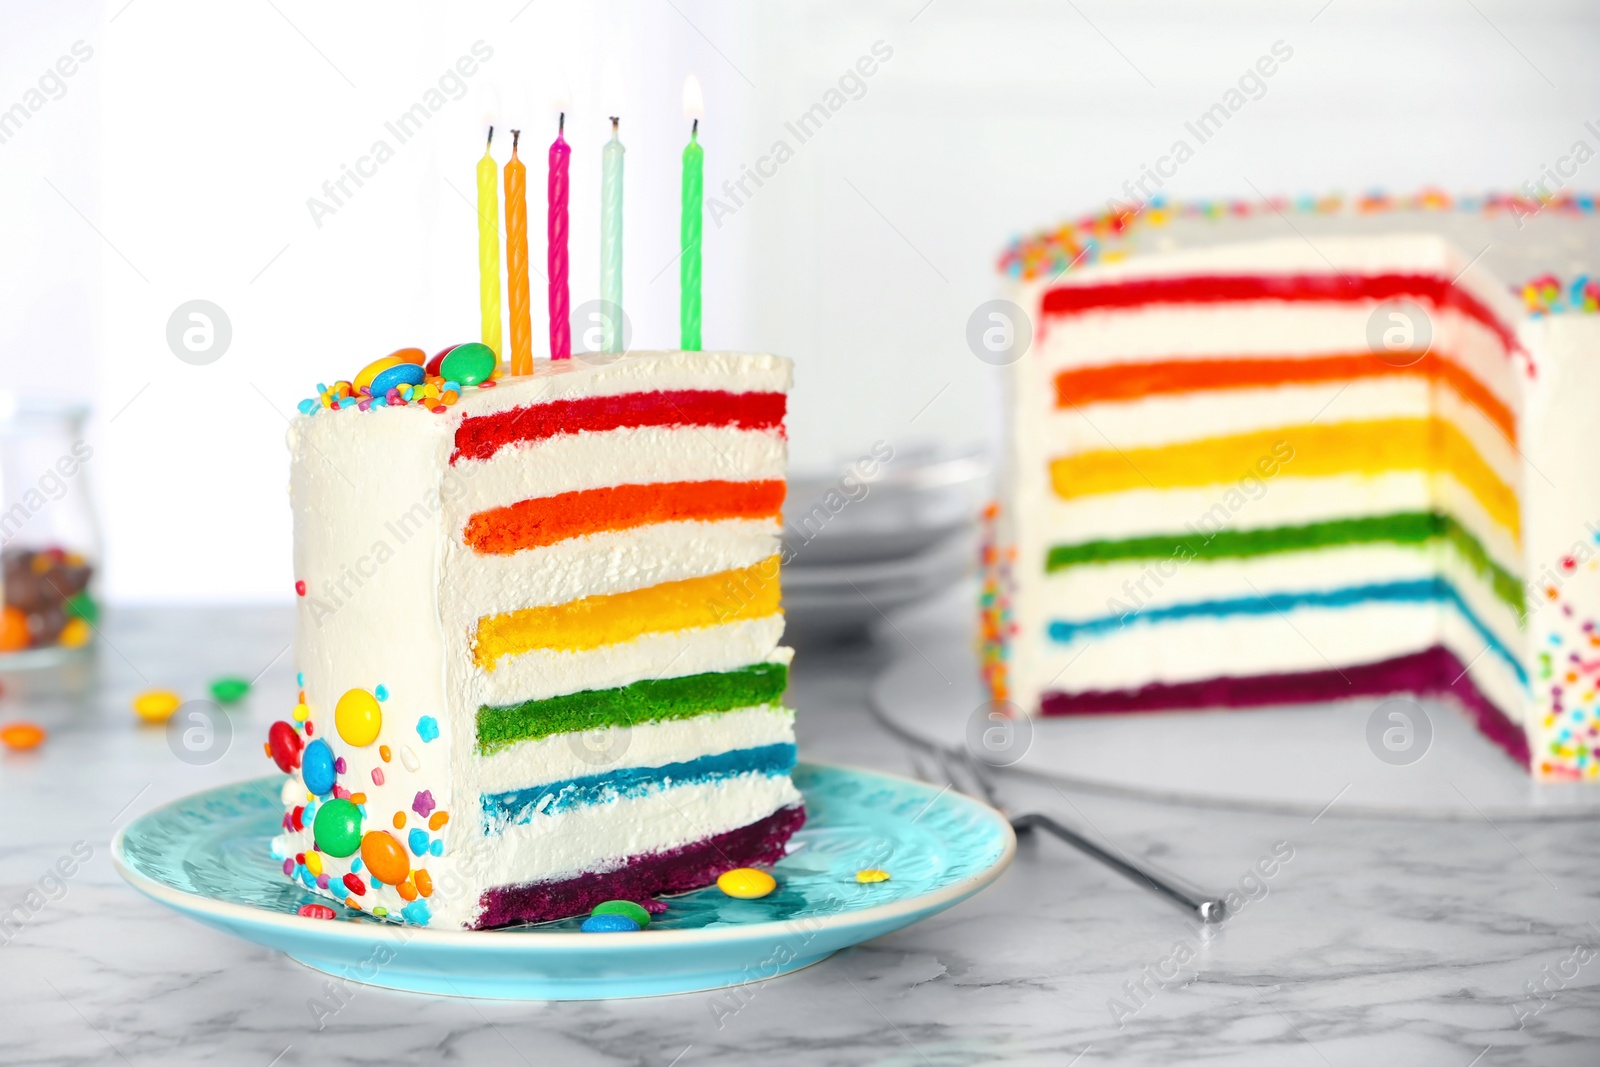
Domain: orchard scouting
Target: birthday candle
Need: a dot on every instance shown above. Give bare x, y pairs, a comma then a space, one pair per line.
556, 259
489, 248
611, 243
689, 233
517, 261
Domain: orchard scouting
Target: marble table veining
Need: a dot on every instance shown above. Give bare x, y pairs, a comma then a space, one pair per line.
1368, 942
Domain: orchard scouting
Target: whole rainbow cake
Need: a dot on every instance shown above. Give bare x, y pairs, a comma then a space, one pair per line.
1289, 453
538, 636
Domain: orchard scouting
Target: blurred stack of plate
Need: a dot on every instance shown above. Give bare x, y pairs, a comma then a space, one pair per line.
877, 535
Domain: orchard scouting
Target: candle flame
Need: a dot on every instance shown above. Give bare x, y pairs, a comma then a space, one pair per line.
694, 102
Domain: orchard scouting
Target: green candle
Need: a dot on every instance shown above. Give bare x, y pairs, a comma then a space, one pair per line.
694, 187
611, 243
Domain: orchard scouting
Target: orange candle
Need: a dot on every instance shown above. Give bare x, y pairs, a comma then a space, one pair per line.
517, 261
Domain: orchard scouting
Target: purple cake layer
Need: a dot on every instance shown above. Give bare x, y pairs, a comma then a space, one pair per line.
642, 877
1434, 672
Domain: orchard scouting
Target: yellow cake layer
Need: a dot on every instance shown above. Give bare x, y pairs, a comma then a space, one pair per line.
727, 596
1370, 447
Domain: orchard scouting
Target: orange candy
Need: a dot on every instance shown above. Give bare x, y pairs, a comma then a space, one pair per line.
406, 890
383, 753
385, 859
437, 820
399, 820
410, 355
21, 736
424, 882
13, 630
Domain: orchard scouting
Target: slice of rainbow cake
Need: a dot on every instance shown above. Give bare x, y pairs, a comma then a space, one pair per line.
1325, 466
538, 642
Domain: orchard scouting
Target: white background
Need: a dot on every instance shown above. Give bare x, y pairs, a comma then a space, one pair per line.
179, 160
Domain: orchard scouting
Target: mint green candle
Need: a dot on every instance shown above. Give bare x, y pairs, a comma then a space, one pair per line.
694, 189
611, 242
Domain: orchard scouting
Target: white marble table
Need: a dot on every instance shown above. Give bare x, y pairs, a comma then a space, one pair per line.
1377, 942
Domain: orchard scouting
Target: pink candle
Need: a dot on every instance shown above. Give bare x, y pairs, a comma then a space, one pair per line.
560, 326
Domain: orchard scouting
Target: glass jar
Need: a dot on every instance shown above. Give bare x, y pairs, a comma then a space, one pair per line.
49, 539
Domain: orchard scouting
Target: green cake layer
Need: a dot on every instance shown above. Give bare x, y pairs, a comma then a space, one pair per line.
1404, 528
653, 700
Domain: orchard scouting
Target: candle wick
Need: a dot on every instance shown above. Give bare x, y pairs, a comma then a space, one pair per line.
561, 123
516, 135
694, 131
491, 139
614, 121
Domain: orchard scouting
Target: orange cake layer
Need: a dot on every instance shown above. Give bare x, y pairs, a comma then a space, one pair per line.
548, 520
1130, 381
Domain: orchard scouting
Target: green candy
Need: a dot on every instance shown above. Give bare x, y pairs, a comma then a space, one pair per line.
468, 364
229, 690
623, 907
337, 828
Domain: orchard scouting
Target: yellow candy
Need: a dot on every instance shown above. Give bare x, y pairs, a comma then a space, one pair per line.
746, 883
75, 634
314, 863
872, 874
372, 370
301, 713
358, 718
156, 705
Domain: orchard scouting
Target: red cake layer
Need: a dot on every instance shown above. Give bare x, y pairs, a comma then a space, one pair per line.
548, 520
1294, 288
1433, 672
676, 870
481, 436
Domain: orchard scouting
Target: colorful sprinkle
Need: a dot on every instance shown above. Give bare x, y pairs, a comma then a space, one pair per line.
428, 728
423, 803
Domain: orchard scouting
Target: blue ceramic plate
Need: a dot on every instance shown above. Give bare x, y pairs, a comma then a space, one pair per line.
206, 856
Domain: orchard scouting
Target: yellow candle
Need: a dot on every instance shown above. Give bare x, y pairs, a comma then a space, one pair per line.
489, 247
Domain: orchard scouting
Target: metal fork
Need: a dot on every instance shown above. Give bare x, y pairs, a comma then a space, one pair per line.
1207, 909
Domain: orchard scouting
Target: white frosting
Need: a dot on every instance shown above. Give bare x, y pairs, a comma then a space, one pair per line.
378, 510
564, 756
589, 460
611, 562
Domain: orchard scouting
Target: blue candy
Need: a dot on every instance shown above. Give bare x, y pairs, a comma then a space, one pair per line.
428, 728
418, 840
437, 848
608, 924
417, 912
404, 374
316, 767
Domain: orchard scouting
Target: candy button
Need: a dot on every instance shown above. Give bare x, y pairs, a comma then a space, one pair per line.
432, 369
358, 718
628, 908
21, 736
317, 767
13, 629
283, 741
469, 364
746, 883
385, 859
338, 828
871, 874
314, 863
75, 634
229, 690
396, 376
315, 911
424, 882
156, 705
371, 371
608, 924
